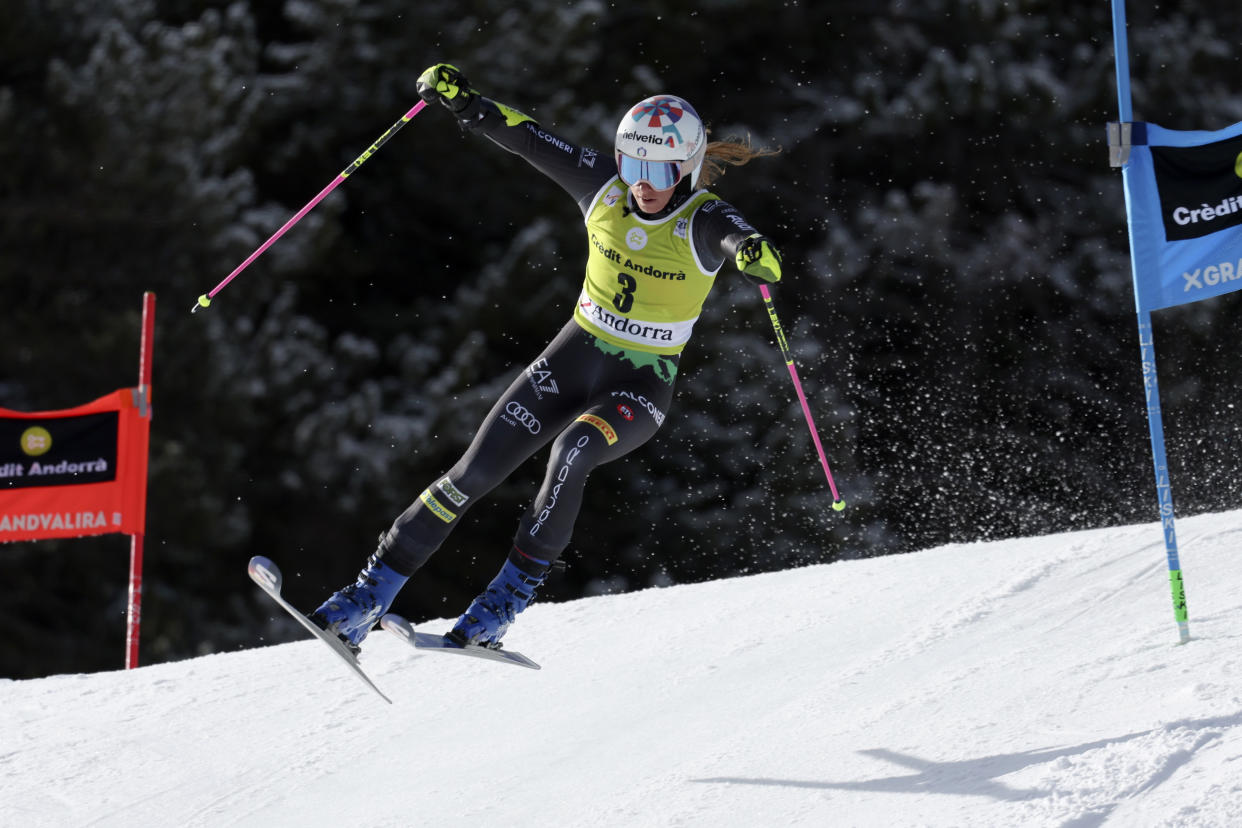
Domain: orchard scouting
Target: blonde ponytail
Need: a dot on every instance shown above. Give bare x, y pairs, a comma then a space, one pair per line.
732, 151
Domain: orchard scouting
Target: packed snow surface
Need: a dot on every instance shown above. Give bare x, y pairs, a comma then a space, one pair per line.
1027, 682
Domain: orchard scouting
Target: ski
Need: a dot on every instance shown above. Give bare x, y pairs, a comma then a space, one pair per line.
267, 575
429, 642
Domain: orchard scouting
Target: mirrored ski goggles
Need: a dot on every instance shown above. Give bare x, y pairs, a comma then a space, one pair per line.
659, 174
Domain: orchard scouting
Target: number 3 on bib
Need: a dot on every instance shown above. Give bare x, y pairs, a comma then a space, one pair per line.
624, 300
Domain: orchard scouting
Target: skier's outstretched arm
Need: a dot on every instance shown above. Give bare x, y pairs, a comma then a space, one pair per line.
580, 171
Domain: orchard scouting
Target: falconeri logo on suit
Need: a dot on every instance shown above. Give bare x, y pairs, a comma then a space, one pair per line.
1200, 188
641, 402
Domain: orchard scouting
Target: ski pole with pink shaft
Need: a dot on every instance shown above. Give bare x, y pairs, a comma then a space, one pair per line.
205, 299
837, 503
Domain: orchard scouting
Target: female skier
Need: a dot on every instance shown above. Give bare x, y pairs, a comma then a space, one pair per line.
602, 387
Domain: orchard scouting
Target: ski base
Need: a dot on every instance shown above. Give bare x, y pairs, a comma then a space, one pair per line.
267, 575
401, 628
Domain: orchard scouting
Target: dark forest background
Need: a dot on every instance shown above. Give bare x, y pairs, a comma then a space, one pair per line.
957, 288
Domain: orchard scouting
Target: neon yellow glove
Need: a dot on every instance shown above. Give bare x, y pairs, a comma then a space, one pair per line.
759, 259
445, 83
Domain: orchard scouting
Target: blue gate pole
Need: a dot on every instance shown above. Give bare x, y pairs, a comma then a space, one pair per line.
1164, 485
1155, 420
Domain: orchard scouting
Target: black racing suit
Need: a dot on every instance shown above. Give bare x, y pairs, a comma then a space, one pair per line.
595, 401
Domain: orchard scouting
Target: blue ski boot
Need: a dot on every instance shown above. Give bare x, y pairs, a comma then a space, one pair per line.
351, 612
489, 617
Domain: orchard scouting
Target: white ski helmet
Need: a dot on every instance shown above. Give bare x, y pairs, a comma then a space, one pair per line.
660, 140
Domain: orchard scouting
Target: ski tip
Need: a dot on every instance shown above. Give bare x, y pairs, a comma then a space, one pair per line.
397, 625
264, 572
258, 562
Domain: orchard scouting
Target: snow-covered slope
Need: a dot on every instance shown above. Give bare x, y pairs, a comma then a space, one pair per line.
1027, 682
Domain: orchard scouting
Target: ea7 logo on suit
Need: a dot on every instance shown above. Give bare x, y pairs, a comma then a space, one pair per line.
540, 379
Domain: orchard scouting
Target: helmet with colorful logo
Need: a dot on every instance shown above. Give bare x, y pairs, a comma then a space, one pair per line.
661, 140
